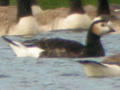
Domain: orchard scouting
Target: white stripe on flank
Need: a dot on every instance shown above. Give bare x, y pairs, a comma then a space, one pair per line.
23, 51
95, 69
25, 26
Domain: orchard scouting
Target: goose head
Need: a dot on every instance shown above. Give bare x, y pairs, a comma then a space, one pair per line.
101, 26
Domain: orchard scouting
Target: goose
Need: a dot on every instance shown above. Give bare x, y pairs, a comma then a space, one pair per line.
108, 67
10, 12
105, 9
102, 9
115, 10
91, 11
115, 17
36, 9
7, 11
24, 24
57, 47
64, 18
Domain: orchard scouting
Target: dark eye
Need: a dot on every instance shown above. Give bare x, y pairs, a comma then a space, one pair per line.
102, 25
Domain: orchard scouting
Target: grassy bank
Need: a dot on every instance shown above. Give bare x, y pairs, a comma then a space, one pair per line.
45, 4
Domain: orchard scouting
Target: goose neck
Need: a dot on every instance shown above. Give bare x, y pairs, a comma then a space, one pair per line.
23, 8
103, 8
76, 6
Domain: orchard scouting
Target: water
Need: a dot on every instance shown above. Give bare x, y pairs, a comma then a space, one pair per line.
54, 73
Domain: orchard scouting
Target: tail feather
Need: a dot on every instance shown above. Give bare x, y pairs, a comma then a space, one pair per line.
22, 50
19, 49
9, 41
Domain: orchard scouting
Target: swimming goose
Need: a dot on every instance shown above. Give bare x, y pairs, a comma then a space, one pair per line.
64, 18
24, 23
108, 67
66, 48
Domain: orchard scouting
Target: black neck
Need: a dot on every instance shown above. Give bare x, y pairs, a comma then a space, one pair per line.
23, 9
93, 47
76, 7
103, 8
4, 2
33, 2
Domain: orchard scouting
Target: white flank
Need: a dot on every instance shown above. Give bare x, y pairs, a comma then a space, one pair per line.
94, 69
26, 25
73, 21
36, 9
23, 51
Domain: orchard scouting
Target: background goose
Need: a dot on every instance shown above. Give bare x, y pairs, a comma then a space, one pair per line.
108, 67
11, 11
66, 48
114, 7
64, 18
35, 8
102, 9
91, 11
24, 24
105, 9
6, 11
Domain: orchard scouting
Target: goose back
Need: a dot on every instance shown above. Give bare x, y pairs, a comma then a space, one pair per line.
63, 18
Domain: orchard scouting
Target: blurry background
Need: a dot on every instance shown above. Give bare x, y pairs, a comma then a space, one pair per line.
47, 4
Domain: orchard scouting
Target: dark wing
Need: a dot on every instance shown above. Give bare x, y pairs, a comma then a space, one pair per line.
60, 48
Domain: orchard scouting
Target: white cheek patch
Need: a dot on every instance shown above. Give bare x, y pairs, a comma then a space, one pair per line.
104, 30
100, 30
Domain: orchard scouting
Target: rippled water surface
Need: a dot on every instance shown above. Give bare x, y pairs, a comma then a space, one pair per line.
54, 73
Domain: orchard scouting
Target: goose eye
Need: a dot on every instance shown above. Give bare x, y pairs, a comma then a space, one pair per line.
102, 25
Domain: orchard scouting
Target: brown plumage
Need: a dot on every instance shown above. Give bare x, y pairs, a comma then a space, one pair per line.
64, 18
